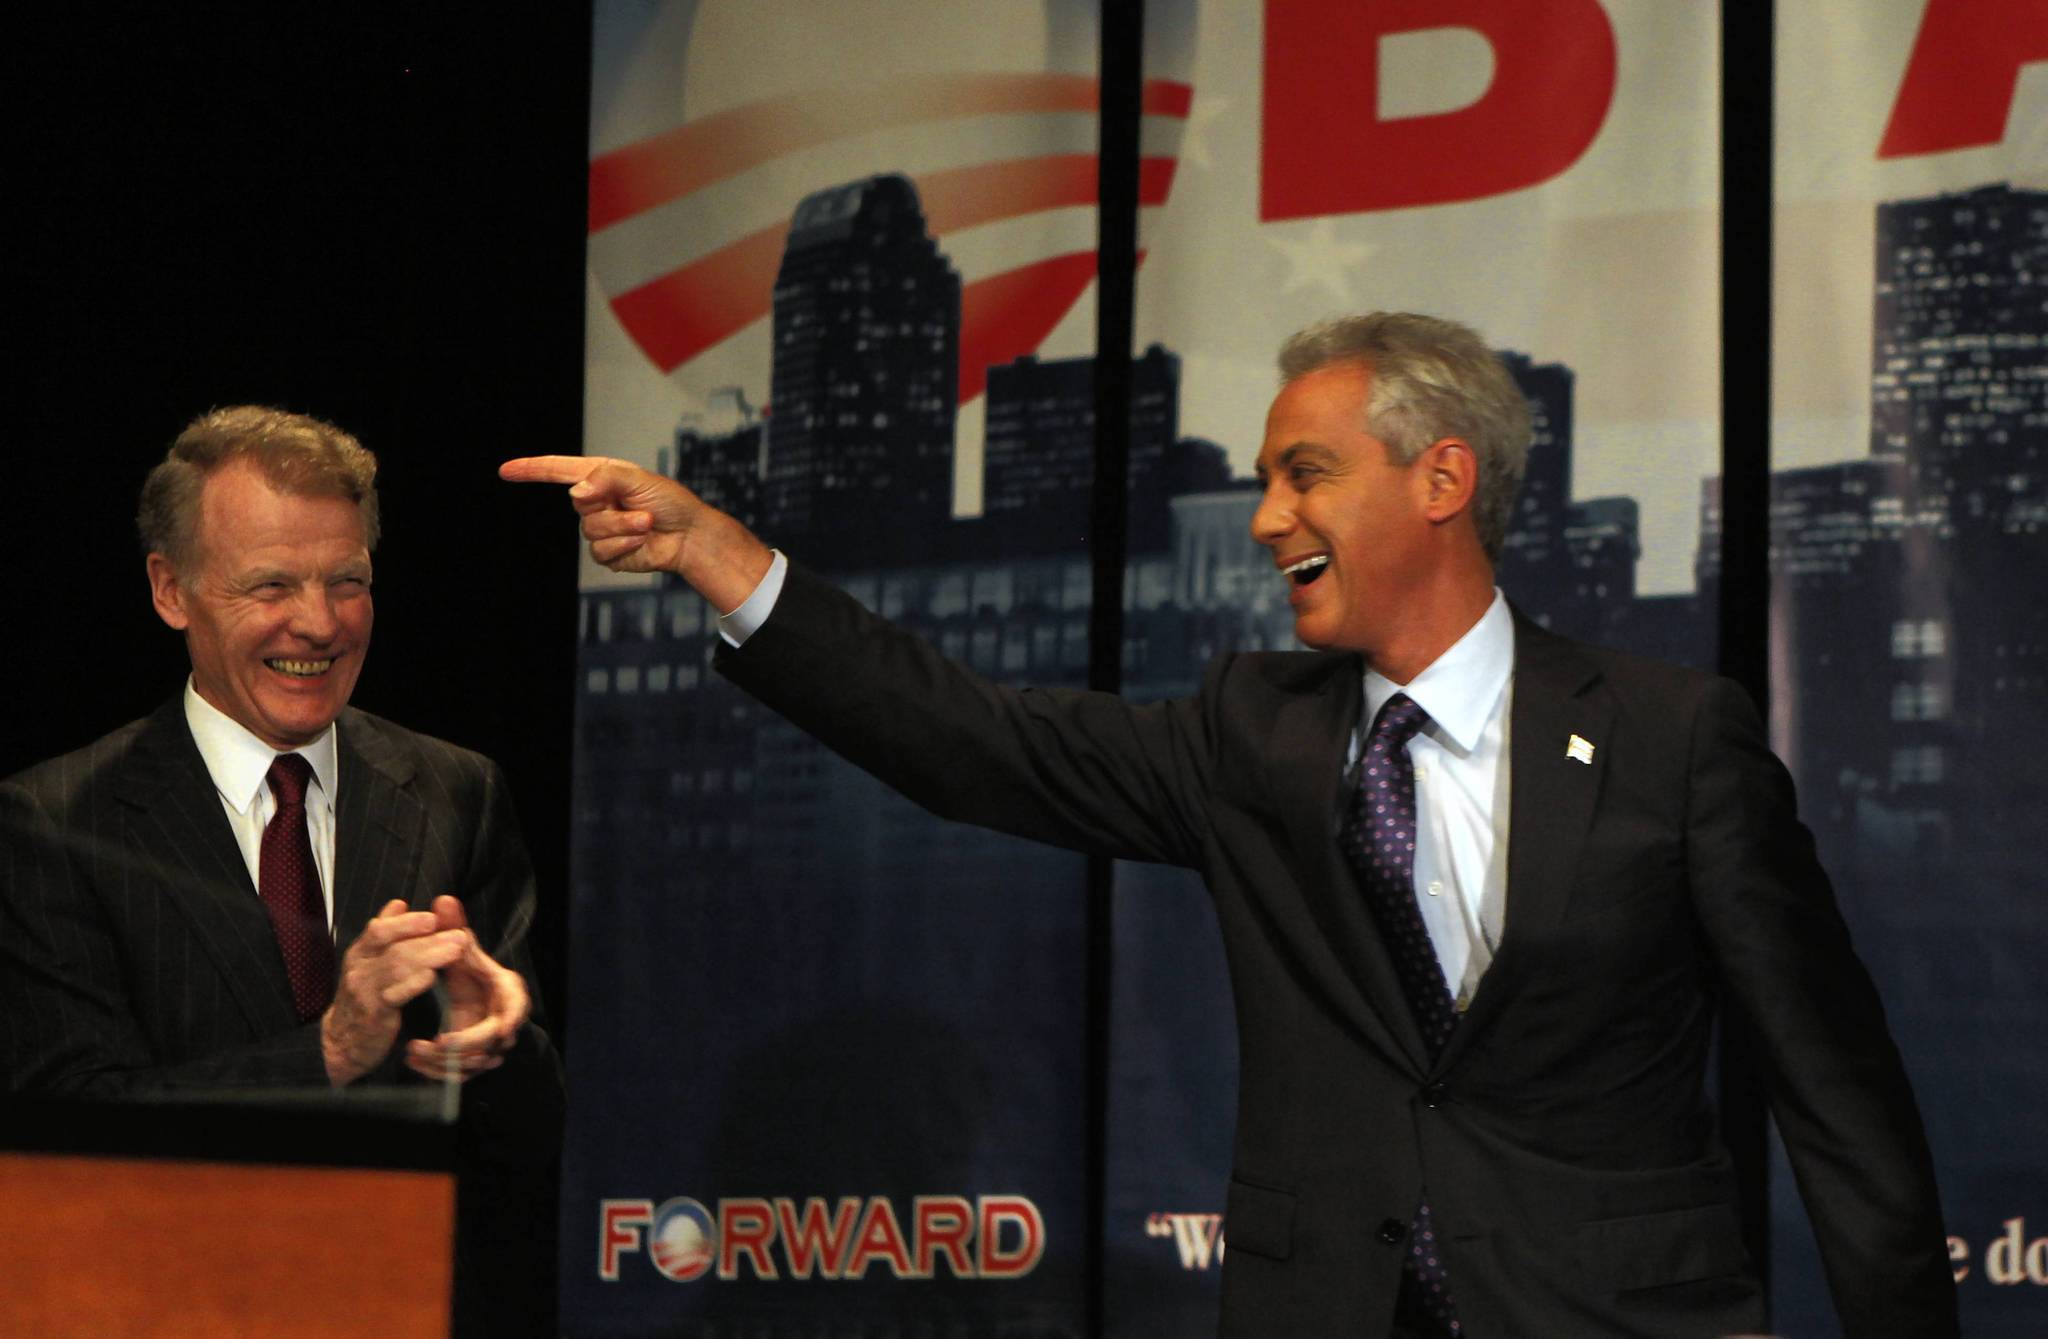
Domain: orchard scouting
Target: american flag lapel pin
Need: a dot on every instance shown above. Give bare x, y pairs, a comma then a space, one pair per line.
1580, 749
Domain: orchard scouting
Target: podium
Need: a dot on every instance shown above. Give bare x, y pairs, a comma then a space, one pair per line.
269, 1213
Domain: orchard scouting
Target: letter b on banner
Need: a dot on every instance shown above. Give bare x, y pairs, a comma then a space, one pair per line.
1327, 151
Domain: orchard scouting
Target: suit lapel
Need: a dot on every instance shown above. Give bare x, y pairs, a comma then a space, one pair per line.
1559, 722
183, 843
378, 823
1310, 735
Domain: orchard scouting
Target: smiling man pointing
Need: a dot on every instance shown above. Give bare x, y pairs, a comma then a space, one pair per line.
1483, 889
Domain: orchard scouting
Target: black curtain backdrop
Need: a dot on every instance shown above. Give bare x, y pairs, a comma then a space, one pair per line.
371, 212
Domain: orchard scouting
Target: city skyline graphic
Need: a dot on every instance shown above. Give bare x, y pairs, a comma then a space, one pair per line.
850, 477
1909, 644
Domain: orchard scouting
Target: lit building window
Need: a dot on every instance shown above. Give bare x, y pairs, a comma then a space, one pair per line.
1913, 639
1918, 702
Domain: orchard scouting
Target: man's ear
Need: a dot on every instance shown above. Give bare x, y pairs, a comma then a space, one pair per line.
1449, 471
165, 592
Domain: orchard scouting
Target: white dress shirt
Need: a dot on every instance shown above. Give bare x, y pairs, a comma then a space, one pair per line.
1461, 792
239, 762
1461, 778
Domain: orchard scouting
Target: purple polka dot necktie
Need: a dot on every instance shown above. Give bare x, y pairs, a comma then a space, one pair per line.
1379, 839
289, 883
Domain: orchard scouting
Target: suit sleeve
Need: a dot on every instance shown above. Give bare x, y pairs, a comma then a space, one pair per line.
68, 1024
1837, 1086
1082, 770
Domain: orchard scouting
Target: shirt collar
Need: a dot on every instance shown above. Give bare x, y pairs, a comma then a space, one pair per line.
1460, 688
238, 761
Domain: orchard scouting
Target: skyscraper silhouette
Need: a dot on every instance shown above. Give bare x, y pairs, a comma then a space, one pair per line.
865, 378
1569, 565
1910, 631
718, 454
1038, 473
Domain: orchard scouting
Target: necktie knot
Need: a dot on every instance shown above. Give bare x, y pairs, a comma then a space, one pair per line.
288, 775
1399, 721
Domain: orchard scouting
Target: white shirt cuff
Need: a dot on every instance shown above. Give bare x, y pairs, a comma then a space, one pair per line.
746, 620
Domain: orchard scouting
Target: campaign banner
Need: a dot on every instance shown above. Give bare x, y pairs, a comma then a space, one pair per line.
1546, 171
827, 1052
1909, 553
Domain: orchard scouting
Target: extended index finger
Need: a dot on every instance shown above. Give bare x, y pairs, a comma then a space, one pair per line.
551, 469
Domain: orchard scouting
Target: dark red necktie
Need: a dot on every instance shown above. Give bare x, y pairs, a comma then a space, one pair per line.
289, 883
1379, 838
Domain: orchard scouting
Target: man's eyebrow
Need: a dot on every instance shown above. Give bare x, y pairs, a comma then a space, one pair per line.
256, 576
1294, 451
1281, 458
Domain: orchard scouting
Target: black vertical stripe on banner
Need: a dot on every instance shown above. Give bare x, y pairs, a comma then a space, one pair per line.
1116, 273
1743, 609
1121, 75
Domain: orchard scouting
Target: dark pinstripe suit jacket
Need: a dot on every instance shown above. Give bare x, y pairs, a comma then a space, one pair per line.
135, 955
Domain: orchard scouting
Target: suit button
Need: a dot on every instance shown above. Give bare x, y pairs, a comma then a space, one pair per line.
1434, 1096
1392, 1230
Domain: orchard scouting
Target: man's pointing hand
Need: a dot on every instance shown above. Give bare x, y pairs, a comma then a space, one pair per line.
639, 521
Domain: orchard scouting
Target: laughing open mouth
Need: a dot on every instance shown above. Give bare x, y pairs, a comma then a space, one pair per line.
300, 669
1307, 570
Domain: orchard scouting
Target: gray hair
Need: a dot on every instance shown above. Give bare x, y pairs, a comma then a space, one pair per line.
1431, 379
297, 454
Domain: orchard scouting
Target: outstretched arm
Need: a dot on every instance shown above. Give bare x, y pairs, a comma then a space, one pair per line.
639, 521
